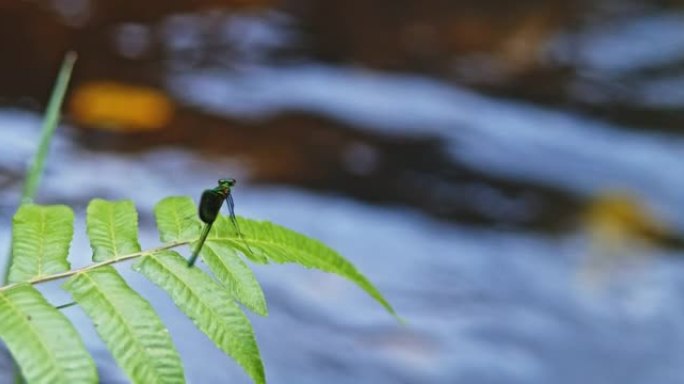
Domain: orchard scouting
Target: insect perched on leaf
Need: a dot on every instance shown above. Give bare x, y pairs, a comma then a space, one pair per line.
210, 205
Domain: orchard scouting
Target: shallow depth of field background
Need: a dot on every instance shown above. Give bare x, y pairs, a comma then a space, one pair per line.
509, 174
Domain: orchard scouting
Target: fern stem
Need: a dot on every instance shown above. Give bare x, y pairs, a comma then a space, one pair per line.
61, 275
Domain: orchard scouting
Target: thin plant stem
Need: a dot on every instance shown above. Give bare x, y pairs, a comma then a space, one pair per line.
50, 121
61, 275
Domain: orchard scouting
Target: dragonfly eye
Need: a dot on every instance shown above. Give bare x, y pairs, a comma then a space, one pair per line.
229, 182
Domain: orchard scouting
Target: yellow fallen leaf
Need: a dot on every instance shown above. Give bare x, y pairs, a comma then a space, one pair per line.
622, 232
120, 107
616, 215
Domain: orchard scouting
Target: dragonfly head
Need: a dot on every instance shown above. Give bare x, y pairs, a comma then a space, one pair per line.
226, 184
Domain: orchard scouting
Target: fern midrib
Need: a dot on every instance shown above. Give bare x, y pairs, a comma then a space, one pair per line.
179, 228
215, 314
281, 247
49, 351
188, 286
246, 291
225, 265
41, 244
112, 235
60, 275
141, 348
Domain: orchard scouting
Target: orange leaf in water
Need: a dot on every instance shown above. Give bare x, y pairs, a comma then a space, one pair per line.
121, 107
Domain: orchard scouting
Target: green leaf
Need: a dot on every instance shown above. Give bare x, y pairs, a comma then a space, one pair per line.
177, 219
223, 232
267, 242
43, 342
235, 275
282, 245
126, 322
40, 241
210, 307
112, 228
47, 130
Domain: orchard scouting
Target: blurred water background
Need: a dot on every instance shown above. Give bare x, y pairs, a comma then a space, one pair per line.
510, 175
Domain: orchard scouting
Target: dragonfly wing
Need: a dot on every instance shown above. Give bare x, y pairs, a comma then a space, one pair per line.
231, 209
233, 219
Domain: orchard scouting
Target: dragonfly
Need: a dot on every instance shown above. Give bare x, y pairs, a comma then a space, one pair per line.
210, 205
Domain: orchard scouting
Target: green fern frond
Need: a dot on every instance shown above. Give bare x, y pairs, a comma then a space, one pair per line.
281, 245
176, 218
126, 322
235, 275
48, 349
112, 228
41, 236
43, 342
210, 307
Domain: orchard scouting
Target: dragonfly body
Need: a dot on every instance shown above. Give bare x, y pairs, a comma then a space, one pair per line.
210, 205
209, 208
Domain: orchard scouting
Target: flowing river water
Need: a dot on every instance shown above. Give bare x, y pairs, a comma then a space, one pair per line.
465, 202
